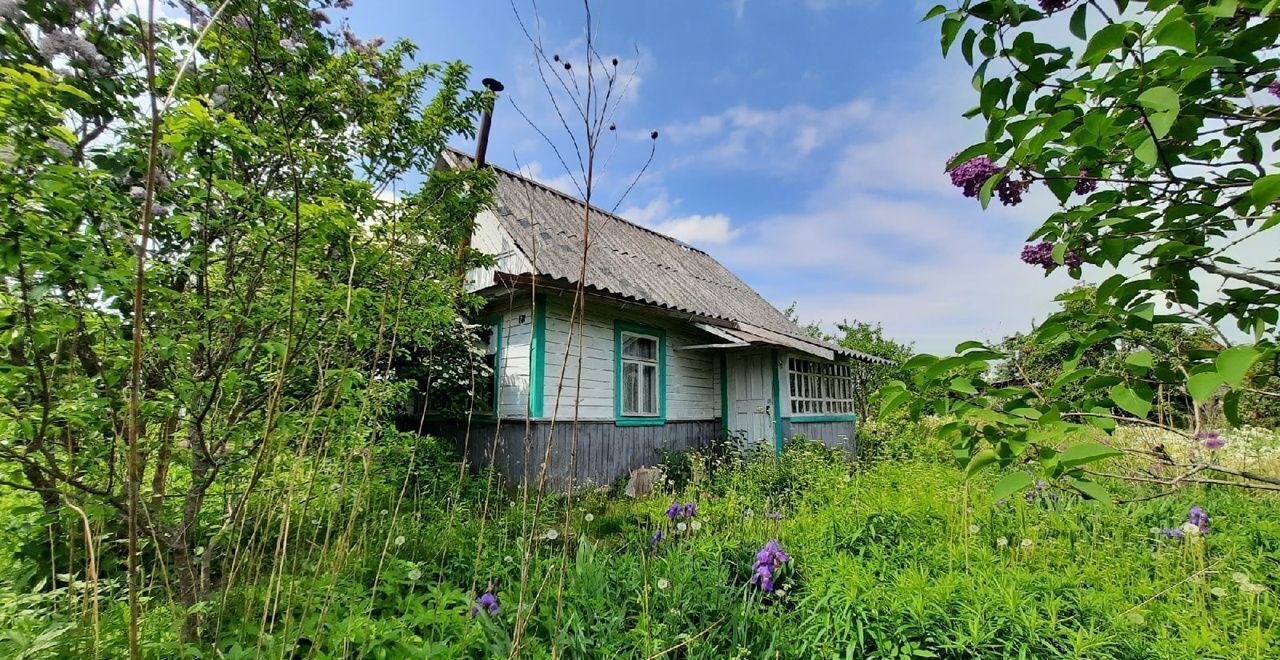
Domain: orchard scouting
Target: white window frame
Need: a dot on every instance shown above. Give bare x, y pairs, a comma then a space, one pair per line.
819, 389
656, 363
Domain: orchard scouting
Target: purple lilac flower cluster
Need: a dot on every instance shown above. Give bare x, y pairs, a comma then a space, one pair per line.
678, 511
1085, 184
972, 174
1050, 6
1211, 440
1274, 88
486, 603
770, 558
1041, 254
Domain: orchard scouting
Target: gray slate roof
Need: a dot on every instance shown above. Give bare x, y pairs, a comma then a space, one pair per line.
627, 260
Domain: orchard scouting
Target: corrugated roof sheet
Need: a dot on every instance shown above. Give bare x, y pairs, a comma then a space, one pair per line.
626, 259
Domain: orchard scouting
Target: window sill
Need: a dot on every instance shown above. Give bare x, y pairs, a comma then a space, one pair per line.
639, 421
802, 419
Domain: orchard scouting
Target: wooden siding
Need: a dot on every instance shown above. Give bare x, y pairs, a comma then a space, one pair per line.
605, 451
839, 435
692, 376
491, 238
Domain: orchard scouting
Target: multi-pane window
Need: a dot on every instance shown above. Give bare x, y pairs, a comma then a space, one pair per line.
640, 365
820, 388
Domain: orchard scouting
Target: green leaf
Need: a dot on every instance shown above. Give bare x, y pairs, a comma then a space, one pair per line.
1085, 454
1129, 401
937, 10
1265, 190
1159, 99
1140, 358
1231, 407
1178, 34
1011, 483
984, 195
1234, 363
980, 460
1091, 489
963, 386
1146, 152
1104, 41
1202, 386
1077, 21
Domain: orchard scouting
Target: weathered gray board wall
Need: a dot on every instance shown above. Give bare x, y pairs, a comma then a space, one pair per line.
605, 451
837, 435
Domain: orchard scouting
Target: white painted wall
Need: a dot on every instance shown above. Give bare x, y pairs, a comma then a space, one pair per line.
489, 237
693, 387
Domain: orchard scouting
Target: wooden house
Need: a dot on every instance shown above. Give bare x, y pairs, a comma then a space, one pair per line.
672, 349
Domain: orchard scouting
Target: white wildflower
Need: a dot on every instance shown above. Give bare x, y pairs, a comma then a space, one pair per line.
1002, 542
1026, 544
508, 559
681, 526
695, 525
973, 529
1218, 591
415, 574
552, 534
589, 517
663, 583
399, 540
1251, 588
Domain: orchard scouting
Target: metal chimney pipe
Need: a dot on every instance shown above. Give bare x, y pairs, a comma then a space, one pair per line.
482, 146
486, 120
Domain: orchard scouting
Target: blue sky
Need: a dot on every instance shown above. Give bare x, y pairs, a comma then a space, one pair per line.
801, 143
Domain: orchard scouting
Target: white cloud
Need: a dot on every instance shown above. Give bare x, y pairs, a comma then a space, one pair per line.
747, 138
695, 229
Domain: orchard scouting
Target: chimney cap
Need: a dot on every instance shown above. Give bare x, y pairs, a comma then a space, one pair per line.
492, 84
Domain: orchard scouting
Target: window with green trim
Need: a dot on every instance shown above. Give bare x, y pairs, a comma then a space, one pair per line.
489, 345
640, 374
820, 388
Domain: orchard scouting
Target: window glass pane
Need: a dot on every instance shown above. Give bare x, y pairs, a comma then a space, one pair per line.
650, 391
630, 387
643, 348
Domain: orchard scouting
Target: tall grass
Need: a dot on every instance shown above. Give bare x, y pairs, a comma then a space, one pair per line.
891, 560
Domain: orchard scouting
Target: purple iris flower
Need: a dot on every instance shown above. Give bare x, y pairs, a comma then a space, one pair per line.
656, 538
487, 603
690, 509
768, 559
674, 511
1199, 518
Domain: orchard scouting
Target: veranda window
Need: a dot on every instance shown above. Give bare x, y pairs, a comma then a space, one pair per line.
820, 388
640, 375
